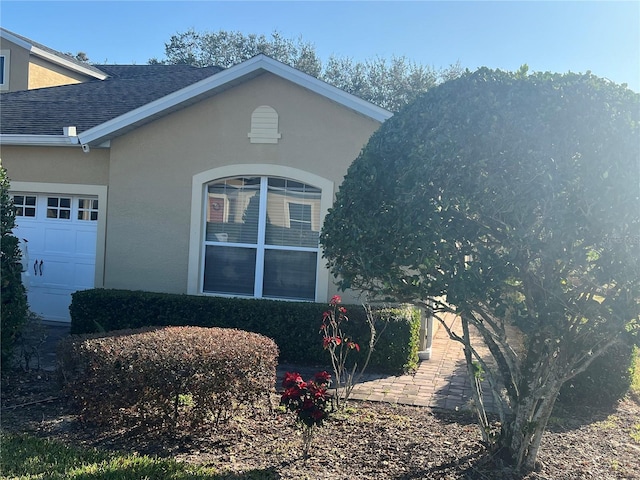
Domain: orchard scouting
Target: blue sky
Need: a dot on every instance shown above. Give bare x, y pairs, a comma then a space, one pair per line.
558, 36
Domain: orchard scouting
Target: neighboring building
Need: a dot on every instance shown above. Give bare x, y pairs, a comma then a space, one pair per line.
25, 65
171, 178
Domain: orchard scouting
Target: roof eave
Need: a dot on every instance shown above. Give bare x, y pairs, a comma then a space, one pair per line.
220, 81
322, 88
39, 140
13, 39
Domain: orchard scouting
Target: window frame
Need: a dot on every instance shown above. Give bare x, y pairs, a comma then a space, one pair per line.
260, 246
21, 209
296, 221
199, 201
6, 70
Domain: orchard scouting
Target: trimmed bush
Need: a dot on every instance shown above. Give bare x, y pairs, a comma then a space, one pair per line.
604, 382
158, 376
294, 326
13, 296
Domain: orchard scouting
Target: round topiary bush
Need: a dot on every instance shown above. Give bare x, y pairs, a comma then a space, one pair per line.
605, 382
158, 376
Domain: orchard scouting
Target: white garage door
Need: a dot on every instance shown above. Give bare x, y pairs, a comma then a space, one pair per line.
60, 233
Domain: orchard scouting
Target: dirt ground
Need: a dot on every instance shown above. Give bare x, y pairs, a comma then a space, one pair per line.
369, 441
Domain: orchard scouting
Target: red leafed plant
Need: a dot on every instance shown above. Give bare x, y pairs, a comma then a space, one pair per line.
339, 345
309, 400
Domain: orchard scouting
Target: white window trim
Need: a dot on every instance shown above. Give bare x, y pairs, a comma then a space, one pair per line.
198, 211
24, 206
99, 191
299, 201
7, 69
59, 208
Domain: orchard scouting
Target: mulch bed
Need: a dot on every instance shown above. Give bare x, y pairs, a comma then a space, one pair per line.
369, 441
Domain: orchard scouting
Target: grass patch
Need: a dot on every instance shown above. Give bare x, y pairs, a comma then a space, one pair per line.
28, 458
609, 423
635, 376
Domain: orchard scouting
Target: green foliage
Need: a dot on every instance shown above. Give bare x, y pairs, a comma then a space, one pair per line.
389, 84
293, 325
515, 198
13, 295
146, 375
226, 49
604, 382
635, 373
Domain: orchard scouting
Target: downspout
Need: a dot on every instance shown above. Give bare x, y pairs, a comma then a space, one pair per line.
72, 134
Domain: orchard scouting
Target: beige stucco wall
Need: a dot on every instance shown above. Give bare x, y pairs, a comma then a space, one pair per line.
28, 71
151, 171
56, 165
43, 73
18, 65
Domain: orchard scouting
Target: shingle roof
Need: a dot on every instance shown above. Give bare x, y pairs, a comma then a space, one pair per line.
46, 111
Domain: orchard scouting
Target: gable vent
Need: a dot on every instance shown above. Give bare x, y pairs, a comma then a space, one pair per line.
264, 125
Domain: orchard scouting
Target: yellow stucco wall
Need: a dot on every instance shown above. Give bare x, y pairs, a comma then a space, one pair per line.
27, 71
151, 170
56, 165
46, 74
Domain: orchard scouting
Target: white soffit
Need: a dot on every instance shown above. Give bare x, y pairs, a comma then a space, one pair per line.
221, 81
39, 140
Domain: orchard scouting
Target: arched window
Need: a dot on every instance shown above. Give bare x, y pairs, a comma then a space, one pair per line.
261, 237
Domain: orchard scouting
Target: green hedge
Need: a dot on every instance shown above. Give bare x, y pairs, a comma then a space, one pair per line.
294, 326
604, 382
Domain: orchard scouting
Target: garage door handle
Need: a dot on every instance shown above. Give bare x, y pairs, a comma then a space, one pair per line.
37, 268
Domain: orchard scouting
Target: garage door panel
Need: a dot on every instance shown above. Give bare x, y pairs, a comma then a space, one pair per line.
60, 239
86, 242
29, 231
83, 276
56, 272
51, 303
65, 247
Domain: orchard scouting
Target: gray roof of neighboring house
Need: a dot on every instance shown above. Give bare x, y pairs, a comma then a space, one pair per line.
46, 111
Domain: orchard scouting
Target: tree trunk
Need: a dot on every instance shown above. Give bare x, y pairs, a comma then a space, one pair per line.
521, 437
476, 390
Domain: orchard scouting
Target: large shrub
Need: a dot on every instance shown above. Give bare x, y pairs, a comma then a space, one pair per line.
295, 326
14, 298
605, 382
511, 200
157, 376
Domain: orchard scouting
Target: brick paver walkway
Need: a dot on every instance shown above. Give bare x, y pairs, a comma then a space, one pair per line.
440, 382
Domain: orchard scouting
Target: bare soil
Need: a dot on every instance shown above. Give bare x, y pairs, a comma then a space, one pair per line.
369, 441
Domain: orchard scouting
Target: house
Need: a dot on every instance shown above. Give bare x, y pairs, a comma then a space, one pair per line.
171, 178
